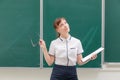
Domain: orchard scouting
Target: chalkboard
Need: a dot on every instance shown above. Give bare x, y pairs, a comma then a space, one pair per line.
84, 18
112, 30
19, 21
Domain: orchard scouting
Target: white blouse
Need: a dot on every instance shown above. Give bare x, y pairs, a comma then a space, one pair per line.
66, 50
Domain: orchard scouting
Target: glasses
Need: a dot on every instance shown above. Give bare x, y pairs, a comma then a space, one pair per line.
35, 40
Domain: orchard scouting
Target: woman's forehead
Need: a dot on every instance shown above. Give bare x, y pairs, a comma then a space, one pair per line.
62, 21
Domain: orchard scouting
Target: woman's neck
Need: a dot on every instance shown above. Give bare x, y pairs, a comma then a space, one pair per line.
65, 36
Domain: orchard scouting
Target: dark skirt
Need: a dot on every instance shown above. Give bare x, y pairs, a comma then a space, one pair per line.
64, 73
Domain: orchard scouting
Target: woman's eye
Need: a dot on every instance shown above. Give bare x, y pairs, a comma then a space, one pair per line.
61, 25
65, 22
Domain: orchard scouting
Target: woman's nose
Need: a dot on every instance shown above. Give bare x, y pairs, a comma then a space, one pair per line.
65, 26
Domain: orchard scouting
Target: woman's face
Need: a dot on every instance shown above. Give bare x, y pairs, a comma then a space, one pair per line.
63, 27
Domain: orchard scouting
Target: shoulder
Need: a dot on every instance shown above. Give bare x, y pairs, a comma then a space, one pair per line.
55, 41
75, 39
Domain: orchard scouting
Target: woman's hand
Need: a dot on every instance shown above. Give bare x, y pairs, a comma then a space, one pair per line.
42, 44
93, 57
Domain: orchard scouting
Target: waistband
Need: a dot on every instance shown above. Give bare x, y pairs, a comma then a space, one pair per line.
56, 65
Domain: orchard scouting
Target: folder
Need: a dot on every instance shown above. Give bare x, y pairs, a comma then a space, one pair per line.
88, 57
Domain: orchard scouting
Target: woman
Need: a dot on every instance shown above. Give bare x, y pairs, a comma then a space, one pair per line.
65, 51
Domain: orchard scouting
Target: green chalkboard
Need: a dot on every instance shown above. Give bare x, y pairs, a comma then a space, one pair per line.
19, 20
112, 30
84, 18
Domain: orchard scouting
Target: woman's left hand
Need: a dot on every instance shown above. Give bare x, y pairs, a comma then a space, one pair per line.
93, 57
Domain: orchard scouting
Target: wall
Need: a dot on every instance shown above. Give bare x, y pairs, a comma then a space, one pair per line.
44, 74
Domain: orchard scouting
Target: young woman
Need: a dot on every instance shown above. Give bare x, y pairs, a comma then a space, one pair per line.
65, 51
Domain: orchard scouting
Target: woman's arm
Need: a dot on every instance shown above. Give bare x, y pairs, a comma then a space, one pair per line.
49, 59
79, 59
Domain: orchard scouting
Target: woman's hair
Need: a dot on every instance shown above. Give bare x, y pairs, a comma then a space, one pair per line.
56, 24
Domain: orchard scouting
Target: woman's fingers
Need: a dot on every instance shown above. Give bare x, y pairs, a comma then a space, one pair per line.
93, 57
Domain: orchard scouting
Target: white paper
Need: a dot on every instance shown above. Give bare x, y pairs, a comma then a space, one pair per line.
93, 53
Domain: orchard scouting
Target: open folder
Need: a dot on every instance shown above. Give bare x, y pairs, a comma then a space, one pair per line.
88, 57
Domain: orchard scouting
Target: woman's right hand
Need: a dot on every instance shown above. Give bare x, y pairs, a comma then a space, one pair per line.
42, 44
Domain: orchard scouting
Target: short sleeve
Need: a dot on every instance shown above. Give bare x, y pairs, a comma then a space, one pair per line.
80, 48
52, 48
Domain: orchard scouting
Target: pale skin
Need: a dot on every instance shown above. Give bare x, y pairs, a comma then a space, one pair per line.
63, 29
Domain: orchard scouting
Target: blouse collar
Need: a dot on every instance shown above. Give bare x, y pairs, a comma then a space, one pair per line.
63, 39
